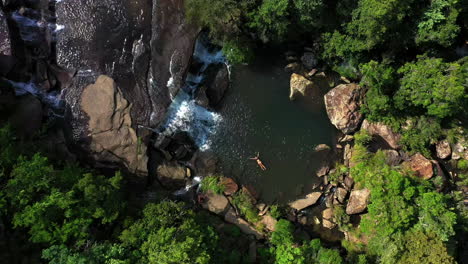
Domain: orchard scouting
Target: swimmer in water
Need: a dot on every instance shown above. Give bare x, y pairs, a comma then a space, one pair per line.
259, 162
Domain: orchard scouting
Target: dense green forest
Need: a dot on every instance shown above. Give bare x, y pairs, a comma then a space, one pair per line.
403, 52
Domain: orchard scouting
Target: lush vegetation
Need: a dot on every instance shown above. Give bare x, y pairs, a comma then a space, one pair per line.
212, 184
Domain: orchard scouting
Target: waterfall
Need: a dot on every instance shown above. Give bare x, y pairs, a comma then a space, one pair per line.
184, 114
52, 99
195, 182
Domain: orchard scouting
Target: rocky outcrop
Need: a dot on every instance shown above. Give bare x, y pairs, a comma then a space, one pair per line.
421, 166
328, 218
269, 222
244, 226
300, 86
358, 201
109, 128
309, 200
392, 157
216, 203
383, 131
171, 174
340, 194
230, 186
443, 149
26, 118
343, 103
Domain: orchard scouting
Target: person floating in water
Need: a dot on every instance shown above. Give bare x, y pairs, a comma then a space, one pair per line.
259, 162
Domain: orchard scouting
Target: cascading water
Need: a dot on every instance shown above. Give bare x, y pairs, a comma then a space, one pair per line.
184, 114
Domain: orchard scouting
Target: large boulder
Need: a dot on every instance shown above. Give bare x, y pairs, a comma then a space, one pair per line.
460, 150
269, 222
230, 186
217, 86
110, 135
343, 104
328, 218
421, 166
358, 201
172, 175
300, 86
216, 203
303, 203
443, 149
383, 131
392, 157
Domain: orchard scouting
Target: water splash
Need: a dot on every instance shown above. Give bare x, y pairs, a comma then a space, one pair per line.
32, 29
195, 182
185, 115
53, 99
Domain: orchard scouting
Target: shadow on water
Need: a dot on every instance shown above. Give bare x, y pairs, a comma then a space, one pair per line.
259, 117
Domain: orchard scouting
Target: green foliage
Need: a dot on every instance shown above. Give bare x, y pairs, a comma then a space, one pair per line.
462, 164
169, 233
237, 52
308, 13
420, 133
398, 205
211, 183
347, 69
271, 20
59, 206
8, 152
438, 24
245, 205
379, 79
276, 211
96, 254
433, 85
362, 137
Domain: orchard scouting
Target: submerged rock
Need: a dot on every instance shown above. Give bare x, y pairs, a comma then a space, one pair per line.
309, 200
383, 131
343, 104
300, 86
421, 166
358, 201
110, 135
443, 149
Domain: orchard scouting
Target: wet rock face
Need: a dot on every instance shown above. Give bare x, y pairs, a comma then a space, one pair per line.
172, 44
108, 37
5, 46
343, 103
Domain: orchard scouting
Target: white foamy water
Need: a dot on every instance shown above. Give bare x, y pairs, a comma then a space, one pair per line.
52, 99
185, 115
195, 182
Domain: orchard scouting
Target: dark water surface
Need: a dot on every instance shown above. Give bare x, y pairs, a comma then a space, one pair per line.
259, 117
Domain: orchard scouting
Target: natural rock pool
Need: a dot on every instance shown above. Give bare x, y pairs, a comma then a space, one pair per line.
259, 117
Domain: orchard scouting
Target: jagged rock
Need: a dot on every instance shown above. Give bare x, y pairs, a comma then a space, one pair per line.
216, 203
421, 166
346, 138
323, 171
309, 200
383, 131
112, 138
243, 225
269, 222
460, 150
322, 147
201, 98
300, 86
392, 157
443, 149
348, 182
26, 119
329, 200
230, 186
294, 67
171, 175
327, 218
341, 194
218, 86
358, 201
309, 60
5, 44
343, 103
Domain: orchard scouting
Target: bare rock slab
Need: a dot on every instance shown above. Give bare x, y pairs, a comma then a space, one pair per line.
383, 131
216, 203
421, 166
309, 200
300, 86
358, 201
243, 225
